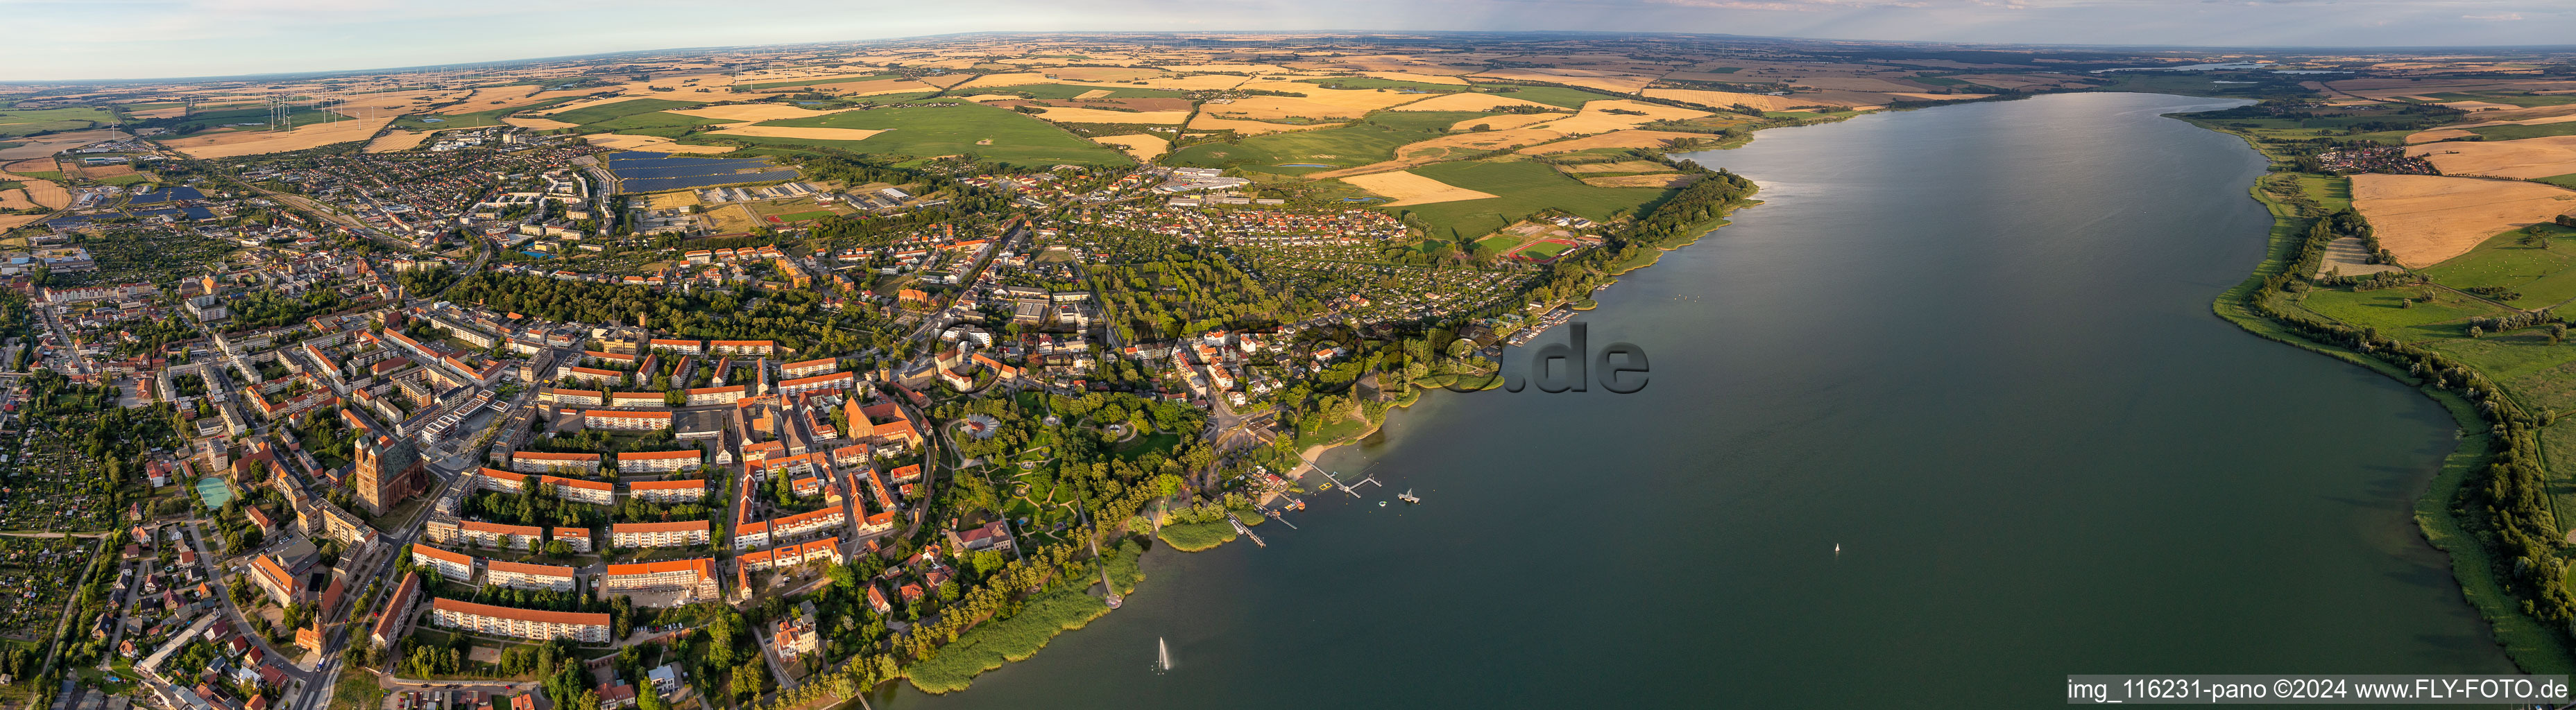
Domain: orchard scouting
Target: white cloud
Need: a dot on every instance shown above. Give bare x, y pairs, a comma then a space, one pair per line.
2498, 17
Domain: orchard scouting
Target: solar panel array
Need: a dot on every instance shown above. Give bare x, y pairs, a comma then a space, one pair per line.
696, 181
167, 194
654, 172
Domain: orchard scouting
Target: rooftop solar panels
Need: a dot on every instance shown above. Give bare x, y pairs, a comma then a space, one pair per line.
696, 181
655, 172
167, 194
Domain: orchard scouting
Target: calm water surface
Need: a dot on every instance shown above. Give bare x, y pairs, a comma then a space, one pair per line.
1972, 346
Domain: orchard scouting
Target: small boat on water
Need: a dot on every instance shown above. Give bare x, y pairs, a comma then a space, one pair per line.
1407, 496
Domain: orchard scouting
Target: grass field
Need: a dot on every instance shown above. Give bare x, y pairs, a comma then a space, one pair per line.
2517, 132
641, 122
2566, 181
2523, 100
2334, 193
803, 216
1519, 189
607, 112
2545, 277
213, 120
2380, 309
925, 131
1550, 95
20, 122
1544, 250
1371, 140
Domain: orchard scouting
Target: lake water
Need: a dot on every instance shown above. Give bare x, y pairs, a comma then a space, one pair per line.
1972, 346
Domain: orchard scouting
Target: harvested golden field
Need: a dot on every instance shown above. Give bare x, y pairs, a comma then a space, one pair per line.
875, 87
1624, 166
48, 194
1656, 180
1727, 99
668, 200
542, 124
14, 221
1093, 115
1614, 139
750, 112
1142, 147
1226, 67
398, 140
2438, 134
1858, 83
1093, 94
817, 134
1410, 189
657, 144
1206, 122
949, 81
15, 199
2527, 158
2425, 219
817, 77
239, 144
1506, 121
1470, 102
30, 165
1596, 116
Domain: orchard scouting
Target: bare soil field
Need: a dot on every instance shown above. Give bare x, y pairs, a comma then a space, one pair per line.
1596, 117
2527, 158
1470, 102
750, 112
1206, 122
1093, 115
820, 134
1507, 122
1140, 146
657, 144
314, 136
1616, 139
2425, 219
1410, 189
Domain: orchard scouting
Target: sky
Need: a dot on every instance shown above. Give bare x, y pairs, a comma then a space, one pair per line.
103, 39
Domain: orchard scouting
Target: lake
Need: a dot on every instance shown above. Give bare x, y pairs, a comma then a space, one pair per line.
1970, 345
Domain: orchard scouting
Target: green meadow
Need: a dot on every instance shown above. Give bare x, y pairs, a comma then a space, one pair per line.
927, 131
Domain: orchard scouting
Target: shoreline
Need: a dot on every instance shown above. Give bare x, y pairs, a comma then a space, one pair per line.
2527, 641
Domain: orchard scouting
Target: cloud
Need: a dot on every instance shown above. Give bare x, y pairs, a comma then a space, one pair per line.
2498, 17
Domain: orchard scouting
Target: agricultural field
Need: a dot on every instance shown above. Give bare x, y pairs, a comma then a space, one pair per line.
1520, 188
2538, 262
928, 131
607, 112
1371, 140
16, 122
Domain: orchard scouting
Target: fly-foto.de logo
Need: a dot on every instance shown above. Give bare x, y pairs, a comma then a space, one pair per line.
1566, 366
